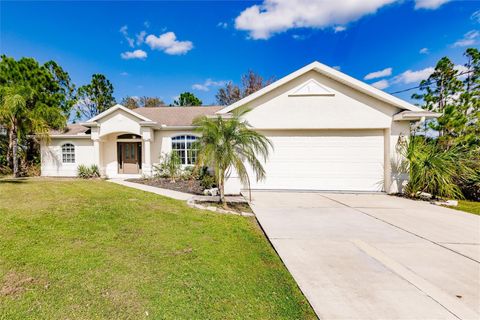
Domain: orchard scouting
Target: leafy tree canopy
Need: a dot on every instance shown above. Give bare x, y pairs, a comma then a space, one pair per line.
455, 95
52, 92
187, 99
94, 98
142, 102
130, 103
250, 83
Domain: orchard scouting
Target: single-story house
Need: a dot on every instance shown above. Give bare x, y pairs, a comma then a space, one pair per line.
329, 132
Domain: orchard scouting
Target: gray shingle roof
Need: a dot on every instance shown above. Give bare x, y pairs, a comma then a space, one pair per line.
169, 116
176, 116
71, 129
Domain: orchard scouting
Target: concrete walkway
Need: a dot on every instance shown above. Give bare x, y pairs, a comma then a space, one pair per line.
365, 256
163, 192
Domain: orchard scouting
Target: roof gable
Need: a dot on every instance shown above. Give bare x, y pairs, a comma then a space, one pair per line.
311, 88
116, 108
344, 107
333, 74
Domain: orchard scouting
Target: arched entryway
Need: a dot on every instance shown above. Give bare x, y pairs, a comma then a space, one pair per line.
129, 153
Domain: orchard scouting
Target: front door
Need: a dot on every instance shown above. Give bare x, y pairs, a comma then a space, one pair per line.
129, 157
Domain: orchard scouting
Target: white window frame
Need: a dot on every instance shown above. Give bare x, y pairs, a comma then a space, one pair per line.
185, 139
68, 155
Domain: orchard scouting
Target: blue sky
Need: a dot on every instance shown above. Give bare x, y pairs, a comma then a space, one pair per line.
196, 46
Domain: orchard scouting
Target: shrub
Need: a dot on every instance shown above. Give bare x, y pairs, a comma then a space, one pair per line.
4, 170
94, 171
435, 170
31, 170
83, 171
471, 187
207, 182
188, 173
88, 172
169, 167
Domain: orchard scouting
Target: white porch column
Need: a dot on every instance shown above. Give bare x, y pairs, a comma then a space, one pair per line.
97, 155
147, 162
387, 167
147, 139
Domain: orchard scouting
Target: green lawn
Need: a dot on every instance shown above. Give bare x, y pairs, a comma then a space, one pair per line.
468, 206
72, 249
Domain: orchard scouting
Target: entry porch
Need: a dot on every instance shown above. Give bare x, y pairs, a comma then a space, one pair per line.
123, 155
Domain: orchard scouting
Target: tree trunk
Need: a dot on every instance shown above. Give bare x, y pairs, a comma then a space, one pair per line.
15, 151
10, 147
221, 188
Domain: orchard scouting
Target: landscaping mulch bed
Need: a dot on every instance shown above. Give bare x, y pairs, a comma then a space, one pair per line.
188, 186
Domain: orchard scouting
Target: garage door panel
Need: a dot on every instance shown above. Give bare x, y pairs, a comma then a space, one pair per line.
344, 160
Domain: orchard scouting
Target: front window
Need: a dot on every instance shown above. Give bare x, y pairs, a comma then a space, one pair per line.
184, 147
68, 153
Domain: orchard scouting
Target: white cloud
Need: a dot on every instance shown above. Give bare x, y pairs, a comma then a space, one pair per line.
382, 84
299, 37
424, 51
124, 74
461, 70
410, 76
168, 43
223, 25
137, 54
124, 31
146, 24
141, 37
476, 16
379, 74
339, 29
470, 38
429, 4
208, 84
274, 16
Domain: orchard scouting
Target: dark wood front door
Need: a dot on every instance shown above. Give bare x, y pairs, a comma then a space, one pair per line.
129, 157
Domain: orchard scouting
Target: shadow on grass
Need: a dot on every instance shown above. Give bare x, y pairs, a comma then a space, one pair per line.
13, 180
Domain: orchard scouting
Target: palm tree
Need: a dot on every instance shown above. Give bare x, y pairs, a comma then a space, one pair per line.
18, 119
435, 170
228, 144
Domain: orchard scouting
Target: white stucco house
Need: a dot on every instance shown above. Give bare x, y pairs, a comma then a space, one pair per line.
329, 132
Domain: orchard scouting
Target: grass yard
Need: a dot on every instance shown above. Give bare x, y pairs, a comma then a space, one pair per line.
72, 249
468, 206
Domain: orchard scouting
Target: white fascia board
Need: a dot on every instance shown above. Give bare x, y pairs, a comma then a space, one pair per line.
331, 73
70, 136
115, 108
148, 123
89, 124
415, 115
165, 127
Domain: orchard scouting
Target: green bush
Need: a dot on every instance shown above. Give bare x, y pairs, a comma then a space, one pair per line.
188, 173
88, 172
207, 182
471, 187
170, 166
435, 170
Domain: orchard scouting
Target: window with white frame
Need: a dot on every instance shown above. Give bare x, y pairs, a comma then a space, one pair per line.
185, 148
68, 153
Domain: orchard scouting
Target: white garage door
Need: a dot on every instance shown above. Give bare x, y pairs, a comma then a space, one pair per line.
349, 160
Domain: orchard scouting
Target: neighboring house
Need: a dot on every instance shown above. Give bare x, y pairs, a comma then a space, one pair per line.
329, 131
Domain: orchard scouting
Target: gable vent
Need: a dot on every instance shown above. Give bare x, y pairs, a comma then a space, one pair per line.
311, 88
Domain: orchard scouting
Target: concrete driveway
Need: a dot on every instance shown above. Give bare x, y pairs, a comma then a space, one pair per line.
372, 256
